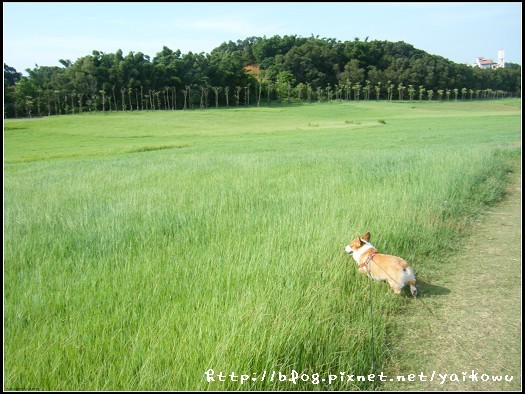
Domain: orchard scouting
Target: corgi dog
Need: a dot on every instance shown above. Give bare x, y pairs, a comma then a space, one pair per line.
394, 270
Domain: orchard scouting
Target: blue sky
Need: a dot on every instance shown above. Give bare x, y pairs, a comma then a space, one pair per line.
43, 33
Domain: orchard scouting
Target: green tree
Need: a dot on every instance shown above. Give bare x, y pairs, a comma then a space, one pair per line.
352, 72
11, 78
284, 81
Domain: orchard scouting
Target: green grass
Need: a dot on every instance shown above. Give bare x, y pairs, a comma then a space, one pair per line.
142, 249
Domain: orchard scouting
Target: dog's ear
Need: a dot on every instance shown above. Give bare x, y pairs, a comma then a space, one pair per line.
366, 237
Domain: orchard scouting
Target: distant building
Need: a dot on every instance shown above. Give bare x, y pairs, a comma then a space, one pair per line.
489, 63
501, 58
485, 63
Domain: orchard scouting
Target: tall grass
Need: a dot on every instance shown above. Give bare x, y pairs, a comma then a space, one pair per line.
223, 248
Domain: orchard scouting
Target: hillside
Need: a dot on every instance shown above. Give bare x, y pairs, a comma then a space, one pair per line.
288, 66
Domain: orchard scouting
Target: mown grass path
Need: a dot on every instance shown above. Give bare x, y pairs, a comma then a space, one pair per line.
472, 320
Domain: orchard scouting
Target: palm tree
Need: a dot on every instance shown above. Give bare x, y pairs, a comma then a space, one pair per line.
411, 91
157, 93
123, 100
237, 94
89, 103
57, 104
299, 88
129, 99
357, 91
72, 104
114, 99
187, 96
48, 105
378, 90
190, 101
421, 92
103, 94
329, 92
309, 92
216, 89
268, 91
260, 93
151, 98
226, 93
94, 98
28, 102
401, 90
390, 90
247, 95
367, 89
167, 98
38, 104
202, 97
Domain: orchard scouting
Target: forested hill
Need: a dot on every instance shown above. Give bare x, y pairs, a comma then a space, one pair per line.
279, 67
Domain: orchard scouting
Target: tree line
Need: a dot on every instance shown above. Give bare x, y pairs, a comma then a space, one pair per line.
255, 71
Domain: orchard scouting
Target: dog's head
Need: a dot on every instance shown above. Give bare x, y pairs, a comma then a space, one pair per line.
355, 247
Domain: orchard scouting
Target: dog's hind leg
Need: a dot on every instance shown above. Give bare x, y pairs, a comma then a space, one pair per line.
395, 286
410, 279
413, 287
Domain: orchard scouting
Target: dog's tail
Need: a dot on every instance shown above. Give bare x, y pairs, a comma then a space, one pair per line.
410, 279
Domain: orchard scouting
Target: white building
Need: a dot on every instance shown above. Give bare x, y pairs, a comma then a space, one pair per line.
501, 58
489, 63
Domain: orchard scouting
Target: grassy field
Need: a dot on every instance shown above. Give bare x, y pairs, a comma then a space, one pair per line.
143, 249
